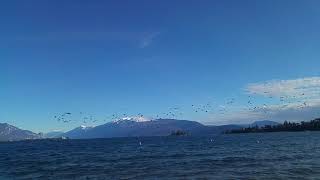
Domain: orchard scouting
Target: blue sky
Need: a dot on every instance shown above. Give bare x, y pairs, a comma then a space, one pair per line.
106, 57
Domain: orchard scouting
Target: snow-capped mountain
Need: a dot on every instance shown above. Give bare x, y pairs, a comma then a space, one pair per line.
83, 127
134, 127
12, 133
79, 131
134, 119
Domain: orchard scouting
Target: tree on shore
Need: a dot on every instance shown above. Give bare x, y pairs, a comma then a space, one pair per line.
313, 125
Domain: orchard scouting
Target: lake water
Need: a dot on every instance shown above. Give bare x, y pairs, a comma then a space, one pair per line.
233, 156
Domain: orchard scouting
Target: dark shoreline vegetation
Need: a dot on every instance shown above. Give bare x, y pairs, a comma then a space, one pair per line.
179, 133
313, 125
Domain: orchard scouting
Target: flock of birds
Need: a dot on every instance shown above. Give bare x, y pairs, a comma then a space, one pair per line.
282, 102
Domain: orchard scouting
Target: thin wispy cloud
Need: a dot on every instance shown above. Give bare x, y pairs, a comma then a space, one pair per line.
308, 87
148, 39
295, 99
126, 38
273, 113
291, 100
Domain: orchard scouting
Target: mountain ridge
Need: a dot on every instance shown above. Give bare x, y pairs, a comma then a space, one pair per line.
128, 127
158, 127
12, 133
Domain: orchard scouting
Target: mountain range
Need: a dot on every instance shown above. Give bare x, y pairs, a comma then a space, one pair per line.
132, 127
127, 127
11, 133
263, 123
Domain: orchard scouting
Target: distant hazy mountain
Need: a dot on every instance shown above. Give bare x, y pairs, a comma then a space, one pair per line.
131, 127
223, 128
263, 123
11, 133
79, 132
53, 134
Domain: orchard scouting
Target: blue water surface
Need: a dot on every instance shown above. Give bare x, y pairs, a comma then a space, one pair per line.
285, 155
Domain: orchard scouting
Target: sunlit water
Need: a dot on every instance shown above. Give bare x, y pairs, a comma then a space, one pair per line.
235, 156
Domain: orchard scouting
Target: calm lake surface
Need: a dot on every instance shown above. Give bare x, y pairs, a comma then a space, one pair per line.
286, 155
